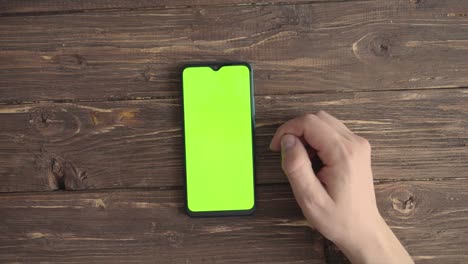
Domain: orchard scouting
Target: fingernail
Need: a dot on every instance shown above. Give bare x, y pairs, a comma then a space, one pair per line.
287, 142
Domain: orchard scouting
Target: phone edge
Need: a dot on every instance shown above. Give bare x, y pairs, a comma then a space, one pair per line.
253, 116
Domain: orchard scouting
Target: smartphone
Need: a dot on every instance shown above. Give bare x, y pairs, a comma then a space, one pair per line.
219, 123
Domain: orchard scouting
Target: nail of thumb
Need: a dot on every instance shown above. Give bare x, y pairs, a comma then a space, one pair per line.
287, 142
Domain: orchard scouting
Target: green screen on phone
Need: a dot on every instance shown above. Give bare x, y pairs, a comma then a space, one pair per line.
218, 131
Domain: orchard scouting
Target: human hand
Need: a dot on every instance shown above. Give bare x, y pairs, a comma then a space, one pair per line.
339, 201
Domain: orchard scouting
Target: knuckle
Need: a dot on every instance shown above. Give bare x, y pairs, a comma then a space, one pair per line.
363, 143
321, 113
358, 146
310, 117
351, 150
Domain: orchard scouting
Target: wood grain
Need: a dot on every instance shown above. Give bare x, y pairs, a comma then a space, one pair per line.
326, 47
47, 146
150, 225
73, 76
50, 7
31, 7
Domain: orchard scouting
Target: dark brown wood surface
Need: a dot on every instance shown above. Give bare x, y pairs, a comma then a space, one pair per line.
31, 7
326, 47
47, 7
91, 166
98, 145
139, 225
151, 226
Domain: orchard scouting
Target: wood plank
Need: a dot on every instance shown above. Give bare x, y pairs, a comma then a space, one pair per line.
415, 135
151, 226
47, 7
31, 7
148, 225
340, 46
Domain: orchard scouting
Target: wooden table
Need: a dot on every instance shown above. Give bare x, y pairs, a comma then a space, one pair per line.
91, 155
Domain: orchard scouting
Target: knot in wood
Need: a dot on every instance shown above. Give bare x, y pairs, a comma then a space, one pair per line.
63, 175
148, 74
404, 202
380, 46
57, 168
53, 123
375, 47
40, 119
44, 122
175, 239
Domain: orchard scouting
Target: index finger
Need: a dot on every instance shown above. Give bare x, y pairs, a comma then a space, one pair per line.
316, 132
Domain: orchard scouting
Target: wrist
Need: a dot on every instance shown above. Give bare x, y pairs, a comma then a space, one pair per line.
375, 244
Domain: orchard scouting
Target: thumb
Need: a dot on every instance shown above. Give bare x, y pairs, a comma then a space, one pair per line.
308, 190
